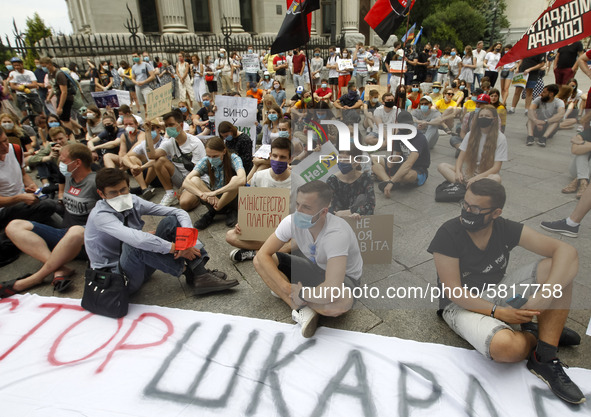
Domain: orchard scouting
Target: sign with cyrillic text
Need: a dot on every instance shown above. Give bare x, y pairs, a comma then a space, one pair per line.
159, 101
260, 210
241, 112
375, 237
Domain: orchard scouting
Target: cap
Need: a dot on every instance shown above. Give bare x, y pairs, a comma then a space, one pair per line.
266, 73
429, 99
483, 98
16, 59
436, 84
300, 89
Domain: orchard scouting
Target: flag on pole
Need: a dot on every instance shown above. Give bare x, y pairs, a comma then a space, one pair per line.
295, 30
418, 36
410, 34
386, 16
564, 22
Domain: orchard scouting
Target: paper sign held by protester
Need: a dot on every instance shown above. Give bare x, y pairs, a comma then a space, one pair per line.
241, 112
186, 237
520, 80
112, 98
396, 67
263, 152
375, 237
159, 101
311, 168
251, 63
260, 210
345, 64
381, 89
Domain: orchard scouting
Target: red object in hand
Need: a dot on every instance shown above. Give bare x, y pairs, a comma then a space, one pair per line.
186, 237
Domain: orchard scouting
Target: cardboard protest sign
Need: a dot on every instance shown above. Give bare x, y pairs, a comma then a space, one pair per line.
520, 80
375, 238
159, 101
186, 237
260, 210
381, 89
241, 112
112, 98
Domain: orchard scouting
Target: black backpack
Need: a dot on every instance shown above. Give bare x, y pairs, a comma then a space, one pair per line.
449, 192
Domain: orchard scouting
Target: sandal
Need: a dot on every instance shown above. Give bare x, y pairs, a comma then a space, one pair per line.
7, 287
61, 283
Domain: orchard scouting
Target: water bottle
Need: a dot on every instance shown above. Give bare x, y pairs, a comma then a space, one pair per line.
40, 195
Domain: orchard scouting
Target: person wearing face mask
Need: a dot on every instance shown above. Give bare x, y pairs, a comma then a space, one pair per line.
226, 174
491, 60
363, 60
132, 134
255, 92
94, 124
277, 176
415, 95
483, 150
55, 247
266, 83
278, 93
42, 90
183, 69
328, 256
433, 63
427, 120
473, 250
46, 161
436, 92
532, 67
142, 74
115, 241
104, 78
345, 69
107, 141
546, 113
66, 91
237, 142
125, 110
350, 104
467, 67
210, 75
353, 192
324, 92
369, 108
224, 68
333, 73
252, 64
316, 68
271, 124
479, 100
175, 159
15, 132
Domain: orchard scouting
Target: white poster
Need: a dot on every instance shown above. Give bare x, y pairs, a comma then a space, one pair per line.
251, 63
344, 64
58, 360
316, 166
241, 112
111, 98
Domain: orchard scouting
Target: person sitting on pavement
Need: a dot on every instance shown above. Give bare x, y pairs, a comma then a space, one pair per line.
175, 158
580, 167
201, 118
436, 93
115, 242
278, 176
131, 136
473, 250
350, 104
125, 110
413, 170
383, 115
16, 133
352, 187
570, 226
225, 174
427, 120
324, 92
484, 149
55, 247
467, 120
546, 113
107, 142
237, 142
325, 254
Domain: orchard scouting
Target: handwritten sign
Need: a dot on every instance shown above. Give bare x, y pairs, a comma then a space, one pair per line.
241, 112
374, 234
159, 101
251, 63
260, 210
112, 98
263, 152
396, 67
186, 237
345, 64
520, 80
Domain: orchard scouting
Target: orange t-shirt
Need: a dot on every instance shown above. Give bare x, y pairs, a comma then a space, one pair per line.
258, 95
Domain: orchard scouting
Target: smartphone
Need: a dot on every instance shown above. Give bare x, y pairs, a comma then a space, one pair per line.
516, 302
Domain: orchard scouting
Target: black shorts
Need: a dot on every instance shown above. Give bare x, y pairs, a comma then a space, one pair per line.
212, 86
298, 268
333, 81
67, 111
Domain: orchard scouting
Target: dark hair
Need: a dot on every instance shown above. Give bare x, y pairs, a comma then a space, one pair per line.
217, 144
491, 189
553, 88
110, 177
178, 116
124, 108
321, 188
226, 127
282, 143
81, 152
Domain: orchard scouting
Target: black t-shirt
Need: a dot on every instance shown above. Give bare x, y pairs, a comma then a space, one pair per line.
422, 58
105, 137
242, 146
530, 62
422, 146
477, 267
569, 55
202, 113
62, 79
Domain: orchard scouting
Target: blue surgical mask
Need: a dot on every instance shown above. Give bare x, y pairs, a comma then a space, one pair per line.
436, 90
64, 169
273, 117
146, 59
424, 108
212, 119
136, 59
9, 67
474, 98
462, 87
250, 51
324, 85
303, 220
453, 54
53, 124
345, 167
215, 162
172, 132
154, 134
415, 90
229, 137
45, 69
283, 134
206, 103
183, 109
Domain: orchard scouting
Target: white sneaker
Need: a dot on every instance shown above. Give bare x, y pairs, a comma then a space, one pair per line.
169, 200
274, 294
307, 319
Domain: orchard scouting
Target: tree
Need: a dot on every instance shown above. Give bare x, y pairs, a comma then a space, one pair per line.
495, 13
36, 30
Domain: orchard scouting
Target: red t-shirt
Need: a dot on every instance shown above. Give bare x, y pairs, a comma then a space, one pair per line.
298, 62
321, 92
588, 104
280, 60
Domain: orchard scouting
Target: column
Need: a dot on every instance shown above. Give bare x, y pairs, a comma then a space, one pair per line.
172, 16
230, 9
313, 31
350, 16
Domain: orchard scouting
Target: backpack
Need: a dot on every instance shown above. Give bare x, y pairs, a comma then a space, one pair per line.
449, 192
18, 152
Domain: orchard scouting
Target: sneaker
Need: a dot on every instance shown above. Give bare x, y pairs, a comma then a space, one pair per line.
274, 294
542, 142
307, 319
568, 337
135, 190
560, 226
552, 373
580, 128
572, 187
205, 221
210, 282
241, 255
169, 200
530, 141
148, 193
525, 113
511, 110
231, 218
582, 187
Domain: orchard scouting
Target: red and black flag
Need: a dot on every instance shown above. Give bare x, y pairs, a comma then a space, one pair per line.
387, 15
295, 30
564, 22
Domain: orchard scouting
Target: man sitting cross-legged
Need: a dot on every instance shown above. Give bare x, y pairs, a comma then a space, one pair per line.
325, 258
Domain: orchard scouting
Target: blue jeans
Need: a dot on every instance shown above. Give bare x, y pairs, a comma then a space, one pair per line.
139, 264
477, 77
250, 77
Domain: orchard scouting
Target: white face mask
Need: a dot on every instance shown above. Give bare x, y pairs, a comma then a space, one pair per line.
130, 129
121, 203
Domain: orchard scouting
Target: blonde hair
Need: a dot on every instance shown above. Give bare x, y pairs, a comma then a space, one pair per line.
17, 130
487, 158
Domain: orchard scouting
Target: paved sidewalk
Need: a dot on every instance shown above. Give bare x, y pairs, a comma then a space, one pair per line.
533, 178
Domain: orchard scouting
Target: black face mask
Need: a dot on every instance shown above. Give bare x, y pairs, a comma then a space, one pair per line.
389, 104
110, 128
473, 222
484, 121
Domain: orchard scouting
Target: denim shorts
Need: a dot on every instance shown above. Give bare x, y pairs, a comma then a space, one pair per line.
49, 234
479, 329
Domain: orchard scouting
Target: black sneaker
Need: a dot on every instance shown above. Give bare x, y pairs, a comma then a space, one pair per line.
542, 142
241, 255
136, 190
552, 373
205, 221
560, 226
530, 141
231, 218
568, 337
148, 193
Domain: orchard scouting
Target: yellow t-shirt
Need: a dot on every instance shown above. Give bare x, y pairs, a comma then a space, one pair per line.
442, 106
469, 106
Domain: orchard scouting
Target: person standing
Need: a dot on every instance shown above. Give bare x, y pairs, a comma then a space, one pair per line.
565, 63
183, 69
532, 67
222, 64
142, 74
491, 60
479, 56
198, 71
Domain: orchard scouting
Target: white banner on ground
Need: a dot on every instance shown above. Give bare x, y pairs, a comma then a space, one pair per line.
59, 360
241, 112
111, 98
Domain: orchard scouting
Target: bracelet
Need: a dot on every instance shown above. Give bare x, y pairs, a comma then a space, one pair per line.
492, 313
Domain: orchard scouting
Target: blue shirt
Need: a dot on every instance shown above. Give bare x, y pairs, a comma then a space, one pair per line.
202, 167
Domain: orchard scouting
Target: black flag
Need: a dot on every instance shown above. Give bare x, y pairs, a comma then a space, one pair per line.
294, 31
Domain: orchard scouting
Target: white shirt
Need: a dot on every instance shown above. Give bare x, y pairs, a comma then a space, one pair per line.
479, 61
27, 77
500, 152
335, 239
492, 59
264, 179
11, 175
192, 146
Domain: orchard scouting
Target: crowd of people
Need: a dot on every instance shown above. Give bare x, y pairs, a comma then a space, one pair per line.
84, 157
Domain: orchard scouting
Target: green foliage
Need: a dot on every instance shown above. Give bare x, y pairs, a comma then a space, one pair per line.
495, 13
36, 30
